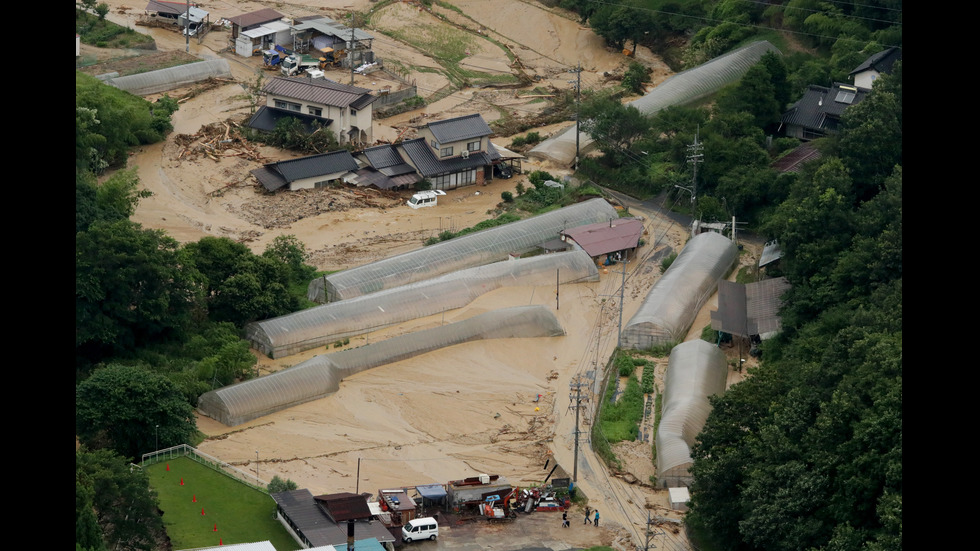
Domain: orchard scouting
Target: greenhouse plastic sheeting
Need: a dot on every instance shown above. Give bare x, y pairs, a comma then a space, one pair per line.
321, 325
154, 82
470, 250
321, 376
696, 370
676, 298
680, 89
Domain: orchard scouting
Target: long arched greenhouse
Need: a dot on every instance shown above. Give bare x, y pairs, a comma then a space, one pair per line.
683, 88
162, 80
321, 325
695, 371
320, 376
676, 298
476, 249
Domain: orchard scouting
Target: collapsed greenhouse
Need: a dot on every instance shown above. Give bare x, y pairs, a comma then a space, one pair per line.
676, 298
320, 376
321, 325
683, 88
476, 249
695, 371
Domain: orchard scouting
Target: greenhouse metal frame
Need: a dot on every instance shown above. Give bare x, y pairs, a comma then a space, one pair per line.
683, 88
162, 80
475, 249
321, 325
695, 371
320, 376
676, 298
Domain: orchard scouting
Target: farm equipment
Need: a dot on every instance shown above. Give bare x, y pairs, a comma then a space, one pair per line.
504, 512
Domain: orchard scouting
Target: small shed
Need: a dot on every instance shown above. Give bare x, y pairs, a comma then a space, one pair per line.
679, 498
618, 237
431, 495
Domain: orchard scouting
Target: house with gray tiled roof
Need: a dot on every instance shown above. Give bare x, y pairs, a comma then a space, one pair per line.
344, 110
314, 171
454, 152
818, 112
880, 63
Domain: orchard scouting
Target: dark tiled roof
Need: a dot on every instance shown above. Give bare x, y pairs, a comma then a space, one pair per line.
792, 161
256, 17
370, 177
266, 117
607, 237
284, 172
383, 156
881, 61
320, 92
429, 165
460, 128
819, 107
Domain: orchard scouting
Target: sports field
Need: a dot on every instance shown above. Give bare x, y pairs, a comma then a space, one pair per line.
210, 508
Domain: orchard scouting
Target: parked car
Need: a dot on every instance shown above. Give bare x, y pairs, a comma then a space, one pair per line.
503, 171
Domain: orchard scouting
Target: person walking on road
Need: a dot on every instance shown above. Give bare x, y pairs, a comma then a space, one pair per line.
588, 511
597, 517
564, 519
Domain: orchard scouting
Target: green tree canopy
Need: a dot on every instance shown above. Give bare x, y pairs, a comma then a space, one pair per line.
128, 409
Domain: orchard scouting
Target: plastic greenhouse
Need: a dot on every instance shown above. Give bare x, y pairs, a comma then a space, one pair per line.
324, 324
154, 82
476, 249
696, 370
320, 376
682, 88
675, 299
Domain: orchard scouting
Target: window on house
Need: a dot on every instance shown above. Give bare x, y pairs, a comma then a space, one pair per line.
280, 104
353, 112
473, 146
315, 111
446, 152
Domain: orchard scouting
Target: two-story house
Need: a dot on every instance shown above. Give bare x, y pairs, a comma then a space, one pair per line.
454, 152
818, 112
344, 110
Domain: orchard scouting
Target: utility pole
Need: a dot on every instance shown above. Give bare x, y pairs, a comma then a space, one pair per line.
694, 158
578, 94
350, 50
187, 26
647, 545
577, 385
622, 292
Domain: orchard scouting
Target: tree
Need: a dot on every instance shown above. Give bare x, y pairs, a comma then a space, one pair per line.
115, 507
129, 410
616, 127
132, 287
102, 9
279, 485
636, 76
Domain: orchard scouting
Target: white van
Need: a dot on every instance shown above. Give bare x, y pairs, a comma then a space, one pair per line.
420, 529
425, 198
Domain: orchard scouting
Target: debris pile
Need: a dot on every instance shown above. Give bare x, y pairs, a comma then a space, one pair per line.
217, 140
283, 208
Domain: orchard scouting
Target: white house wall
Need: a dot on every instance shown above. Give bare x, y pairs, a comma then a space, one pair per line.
310, 183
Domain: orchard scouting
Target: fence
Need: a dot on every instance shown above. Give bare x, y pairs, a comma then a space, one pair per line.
183, 450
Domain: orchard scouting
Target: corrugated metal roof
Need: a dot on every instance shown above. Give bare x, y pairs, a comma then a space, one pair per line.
771, 252
328, 26
792, 161
174, 8
257, 17
256, 546
314, 524
607, 237
318, 91
343, 506
460, 128
429, 165
752, 309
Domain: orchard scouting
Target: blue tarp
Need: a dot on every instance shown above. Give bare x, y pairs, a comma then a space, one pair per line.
434, 492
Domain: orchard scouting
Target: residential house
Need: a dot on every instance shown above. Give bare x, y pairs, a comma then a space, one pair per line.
453, 153
385, 168
818, 112
178, 12
311, 172
873, 67
344, 110
257, 31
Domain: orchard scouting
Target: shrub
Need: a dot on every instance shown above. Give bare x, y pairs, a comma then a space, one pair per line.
624, 365
665, 263
507, 196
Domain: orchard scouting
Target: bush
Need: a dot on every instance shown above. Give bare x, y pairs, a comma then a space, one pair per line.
507, 196
624, 365
665, 263
279, 485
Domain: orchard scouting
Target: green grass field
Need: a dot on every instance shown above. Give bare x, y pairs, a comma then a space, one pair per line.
242, 514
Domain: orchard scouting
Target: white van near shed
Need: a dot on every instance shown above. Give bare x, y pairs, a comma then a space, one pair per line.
425, 198
425, 528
